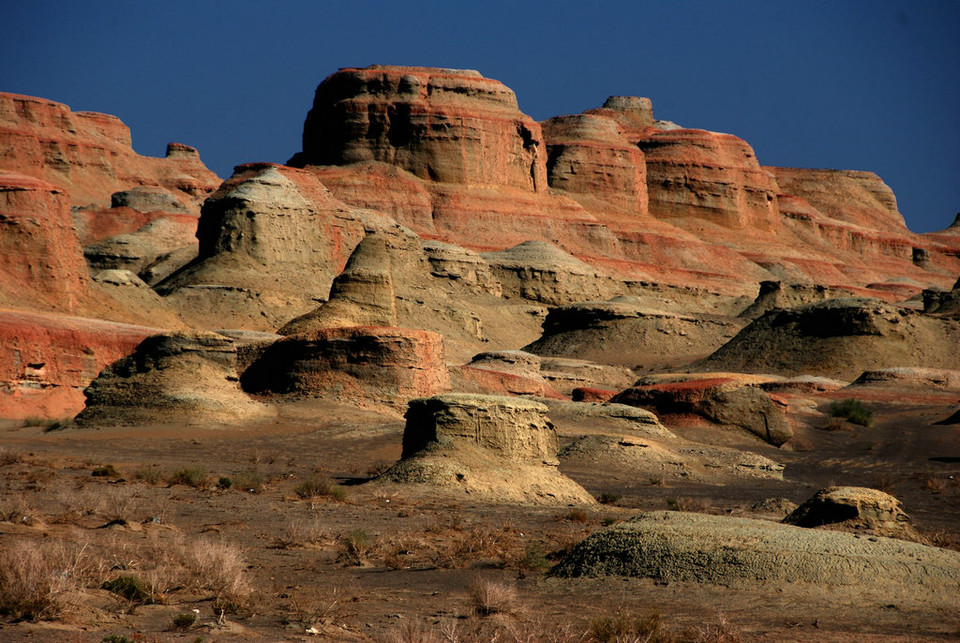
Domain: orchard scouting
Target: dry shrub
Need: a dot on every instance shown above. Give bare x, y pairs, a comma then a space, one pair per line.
16, 508
35, 577
500, 544
9, 456
302, 532
690, 505
493, 597
314, 487
718, 632
411, 631
355, 547
219, 567
934, 485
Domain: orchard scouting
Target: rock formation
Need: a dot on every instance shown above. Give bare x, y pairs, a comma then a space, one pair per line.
89, 156
492, 448
446, 125
46, 360
711, 176
673, 546
392, 279
721, 400
372, 365
857, 510
271, 240
172, 378
588, 158
543, 273
840, 338
41, 265
627, 332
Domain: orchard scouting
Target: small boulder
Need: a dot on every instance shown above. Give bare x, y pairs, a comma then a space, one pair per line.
855, 509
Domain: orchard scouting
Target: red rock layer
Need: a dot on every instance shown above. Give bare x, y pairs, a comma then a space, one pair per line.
41, 262
47, 360
587, 156
446, 125
701, 174
89, 155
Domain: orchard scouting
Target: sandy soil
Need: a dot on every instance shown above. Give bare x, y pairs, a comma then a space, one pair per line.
402, 565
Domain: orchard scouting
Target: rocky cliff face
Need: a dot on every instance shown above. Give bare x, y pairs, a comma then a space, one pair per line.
40, 254
89, 155
446, 125
706, 175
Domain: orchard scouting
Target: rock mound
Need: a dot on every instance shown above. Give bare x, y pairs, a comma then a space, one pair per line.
656, 459
626, 332
492, 448
775, 295
673, 546
172, 378
857, 510
390, 279
840, 338
362, 364
271, 240
544, 273
720, 400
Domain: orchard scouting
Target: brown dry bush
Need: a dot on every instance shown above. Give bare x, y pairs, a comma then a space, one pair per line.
302, 532
219, 567
479, 542
35, 577
493, 597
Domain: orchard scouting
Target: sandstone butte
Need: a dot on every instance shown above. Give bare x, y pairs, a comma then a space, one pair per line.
500, 217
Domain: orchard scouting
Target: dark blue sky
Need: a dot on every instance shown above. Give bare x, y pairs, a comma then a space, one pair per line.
866, 85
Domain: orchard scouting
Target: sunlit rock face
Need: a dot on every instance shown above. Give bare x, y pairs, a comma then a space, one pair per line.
446, 125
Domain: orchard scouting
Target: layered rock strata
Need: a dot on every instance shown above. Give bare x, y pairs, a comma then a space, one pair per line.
840, 338
172, 378
490, 447
89, 155
721, 400
46, 360
383, 366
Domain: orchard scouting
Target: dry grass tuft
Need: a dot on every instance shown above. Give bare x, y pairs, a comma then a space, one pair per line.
493, 597
35, 577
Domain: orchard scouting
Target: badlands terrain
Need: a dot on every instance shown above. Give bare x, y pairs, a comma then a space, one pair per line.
452, 374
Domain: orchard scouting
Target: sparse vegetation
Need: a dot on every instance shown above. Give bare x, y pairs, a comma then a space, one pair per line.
184, 620
315, 487
149, 475
851, 410
493, 597
608, 498
249, 481
190, 476
575, 515
35, 577
355, 546
130, 588
105, 471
